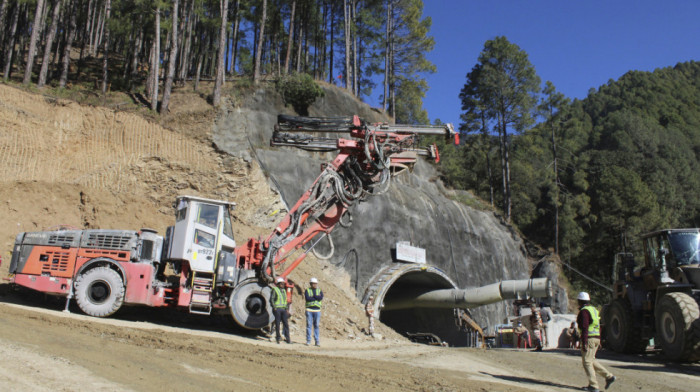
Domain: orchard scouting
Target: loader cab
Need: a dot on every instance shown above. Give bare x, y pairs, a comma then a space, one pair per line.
681, 247
202, 230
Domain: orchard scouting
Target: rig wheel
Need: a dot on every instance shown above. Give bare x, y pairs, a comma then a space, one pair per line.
621, 334
99, 292
249, 305
678, 327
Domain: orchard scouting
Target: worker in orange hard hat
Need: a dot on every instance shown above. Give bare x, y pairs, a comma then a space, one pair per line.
280, 308
313, 296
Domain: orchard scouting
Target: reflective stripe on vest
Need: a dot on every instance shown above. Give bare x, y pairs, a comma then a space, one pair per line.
280, 300
594, 325
311, 292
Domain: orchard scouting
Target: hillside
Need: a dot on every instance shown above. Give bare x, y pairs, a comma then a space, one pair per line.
63, 164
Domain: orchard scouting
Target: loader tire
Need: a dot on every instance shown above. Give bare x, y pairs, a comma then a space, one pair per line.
678, 327
621, 334
99, 292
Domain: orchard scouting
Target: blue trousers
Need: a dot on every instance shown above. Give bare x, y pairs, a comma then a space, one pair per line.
312, 320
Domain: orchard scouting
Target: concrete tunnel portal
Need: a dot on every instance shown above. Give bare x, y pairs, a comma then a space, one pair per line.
393, 283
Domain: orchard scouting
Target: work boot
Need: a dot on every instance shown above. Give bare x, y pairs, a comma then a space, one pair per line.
609, 381
289, 341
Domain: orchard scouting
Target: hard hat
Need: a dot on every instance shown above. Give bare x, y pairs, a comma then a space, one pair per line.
279, 279
583, 296
313, 280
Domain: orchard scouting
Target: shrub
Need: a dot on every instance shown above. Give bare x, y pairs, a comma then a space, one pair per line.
300, 91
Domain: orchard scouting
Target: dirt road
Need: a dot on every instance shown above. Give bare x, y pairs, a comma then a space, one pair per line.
44, 349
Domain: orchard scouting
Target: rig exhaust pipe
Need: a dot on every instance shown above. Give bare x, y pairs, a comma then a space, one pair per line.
471, 298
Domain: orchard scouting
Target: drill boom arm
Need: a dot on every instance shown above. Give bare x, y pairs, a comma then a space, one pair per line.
363, 167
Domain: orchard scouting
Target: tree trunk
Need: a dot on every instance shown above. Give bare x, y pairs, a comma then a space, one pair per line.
331, 77
36, 28
155, 65
300, 46
172, 59
187, 51
49, 43
258, 51
223, 6
353, 34
556, 188
3, 11
236, 25
89, 22
11, 43
346, 25
387, 53
105, 55
73, 27
290, 38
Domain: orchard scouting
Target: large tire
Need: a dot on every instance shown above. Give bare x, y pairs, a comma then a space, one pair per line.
621, 334
249, 305
678, 327
99, 292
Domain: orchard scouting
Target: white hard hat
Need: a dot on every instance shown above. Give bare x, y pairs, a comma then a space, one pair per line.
313, 280
279, 279
583, 296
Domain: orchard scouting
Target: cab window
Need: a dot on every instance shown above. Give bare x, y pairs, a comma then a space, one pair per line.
228, 230
203, 239
208, 215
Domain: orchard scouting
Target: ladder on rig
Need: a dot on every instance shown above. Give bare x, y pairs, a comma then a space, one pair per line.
202, 291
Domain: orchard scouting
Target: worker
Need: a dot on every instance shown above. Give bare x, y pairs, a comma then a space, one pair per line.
369, 311
588, 321
313, 296
547, 316
280, 309
537, 326
572, 336
522, 333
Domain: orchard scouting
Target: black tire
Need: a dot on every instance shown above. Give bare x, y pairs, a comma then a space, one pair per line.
621, 334
249, 305
99, 292
678, 327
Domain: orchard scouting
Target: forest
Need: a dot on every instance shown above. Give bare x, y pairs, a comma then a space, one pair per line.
583, 178
149, 45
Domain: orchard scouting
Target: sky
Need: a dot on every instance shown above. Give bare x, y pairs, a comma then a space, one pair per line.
577, 45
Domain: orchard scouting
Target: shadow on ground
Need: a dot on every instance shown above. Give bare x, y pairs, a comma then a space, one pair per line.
531, 381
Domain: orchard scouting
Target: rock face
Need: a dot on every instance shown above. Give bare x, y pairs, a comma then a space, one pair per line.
471, 247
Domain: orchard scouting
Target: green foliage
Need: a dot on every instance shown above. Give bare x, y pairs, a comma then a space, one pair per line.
300, 91
627, 160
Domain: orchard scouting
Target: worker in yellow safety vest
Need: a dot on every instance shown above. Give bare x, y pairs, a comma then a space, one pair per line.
588, 321
280, 309
313, 296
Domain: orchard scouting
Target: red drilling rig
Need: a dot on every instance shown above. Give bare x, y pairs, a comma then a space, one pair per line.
105, 269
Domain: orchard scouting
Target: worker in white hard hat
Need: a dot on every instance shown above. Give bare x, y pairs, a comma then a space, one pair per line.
313, 296
588, 321
280, 308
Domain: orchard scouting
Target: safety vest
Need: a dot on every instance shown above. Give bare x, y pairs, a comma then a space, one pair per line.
313, 304
280, 299
594, 325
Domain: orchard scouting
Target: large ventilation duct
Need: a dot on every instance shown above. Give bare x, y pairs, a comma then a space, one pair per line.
413, 298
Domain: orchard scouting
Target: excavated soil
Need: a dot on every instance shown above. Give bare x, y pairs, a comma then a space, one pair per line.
67, 165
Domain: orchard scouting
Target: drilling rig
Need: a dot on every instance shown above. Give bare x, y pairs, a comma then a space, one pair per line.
197, 266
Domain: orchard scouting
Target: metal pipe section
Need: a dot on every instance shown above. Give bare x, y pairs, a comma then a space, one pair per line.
471, 298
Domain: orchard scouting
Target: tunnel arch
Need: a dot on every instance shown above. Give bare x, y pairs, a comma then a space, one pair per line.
398, 279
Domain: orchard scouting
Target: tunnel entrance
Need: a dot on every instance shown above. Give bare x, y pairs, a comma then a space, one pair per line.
397, 281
